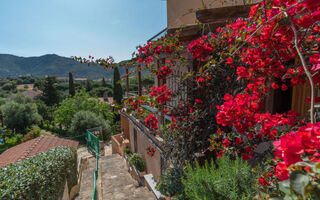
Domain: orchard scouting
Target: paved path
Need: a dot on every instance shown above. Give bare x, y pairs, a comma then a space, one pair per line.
117, 183
86, 186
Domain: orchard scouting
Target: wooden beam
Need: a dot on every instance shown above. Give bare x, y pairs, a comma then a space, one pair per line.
127, 81
192, 32
222, 13
139, 82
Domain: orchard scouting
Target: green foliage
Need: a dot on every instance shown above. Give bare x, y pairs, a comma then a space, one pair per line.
137, 161
233, 179
84, 120
50, 94
103, 83
9, 86
170, 183
47, 112
301, 184
71, 85
127, 151
12, 141
117, 88
99, 91
20, 113
81, 101
88, 85
147, 81
116, 128
31, 135
40, 177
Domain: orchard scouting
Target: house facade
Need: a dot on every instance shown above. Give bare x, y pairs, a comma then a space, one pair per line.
193, 18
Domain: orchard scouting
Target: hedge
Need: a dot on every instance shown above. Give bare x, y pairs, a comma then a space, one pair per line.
40, 177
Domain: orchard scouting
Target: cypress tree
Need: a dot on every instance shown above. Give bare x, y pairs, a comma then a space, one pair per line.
117, 88
49, 94
88, 85
104, 84
71, 85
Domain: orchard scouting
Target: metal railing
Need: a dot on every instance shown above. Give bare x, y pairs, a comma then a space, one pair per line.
94, 145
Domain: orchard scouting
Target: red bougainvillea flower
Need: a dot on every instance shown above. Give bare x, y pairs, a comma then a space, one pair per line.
200, 48
282, 171
289, 148
162, 94
164, 72
152, 122
229, 61
274, 85
198, 101
226, 142
293, 146
263, 181
242, 72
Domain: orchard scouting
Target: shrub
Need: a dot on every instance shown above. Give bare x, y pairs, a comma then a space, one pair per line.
170, 183
127, 151
84, 120
31, 135
137, 161
233, 179
81, 101
40, 177
12, 141
18, 113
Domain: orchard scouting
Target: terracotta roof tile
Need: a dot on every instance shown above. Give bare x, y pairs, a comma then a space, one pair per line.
33, 147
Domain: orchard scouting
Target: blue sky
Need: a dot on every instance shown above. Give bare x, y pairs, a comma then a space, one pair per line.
79, 27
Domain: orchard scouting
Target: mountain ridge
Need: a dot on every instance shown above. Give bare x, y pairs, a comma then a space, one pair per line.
51, 65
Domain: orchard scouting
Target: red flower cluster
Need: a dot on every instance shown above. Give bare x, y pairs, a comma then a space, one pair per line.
200, 48
147, 52
162, 94
152, 122
134, 103
292, 147
164, 72
151, 151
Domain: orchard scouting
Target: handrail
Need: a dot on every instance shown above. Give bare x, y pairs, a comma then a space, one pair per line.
93, 143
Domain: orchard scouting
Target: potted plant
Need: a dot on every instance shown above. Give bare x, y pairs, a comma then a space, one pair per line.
139, 166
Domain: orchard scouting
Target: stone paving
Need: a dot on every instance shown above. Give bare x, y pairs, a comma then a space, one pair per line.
116, 182
86, 186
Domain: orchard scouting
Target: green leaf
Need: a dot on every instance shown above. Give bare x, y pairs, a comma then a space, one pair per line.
285, 187
299, 182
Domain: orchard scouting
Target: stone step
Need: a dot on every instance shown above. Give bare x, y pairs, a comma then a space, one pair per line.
117, 183
87, 182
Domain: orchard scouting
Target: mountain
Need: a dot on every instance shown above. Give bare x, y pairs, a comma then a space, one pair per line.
50, 64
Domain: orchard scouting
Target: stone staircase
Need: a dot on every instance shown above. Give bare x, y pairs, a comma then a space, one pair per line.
86, 185
117, 183
114, 183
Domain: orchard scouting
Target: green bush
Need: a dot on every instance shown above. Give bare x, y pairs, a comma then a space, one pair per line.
233, 179
170, 183
79, 102
20, 113
137, 161
127, 151
31, 134
40, 177
12, 141
84, 120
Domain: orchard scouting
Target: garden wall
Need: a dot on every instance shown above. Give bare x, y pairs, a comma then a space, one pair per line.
139, 143
125, 127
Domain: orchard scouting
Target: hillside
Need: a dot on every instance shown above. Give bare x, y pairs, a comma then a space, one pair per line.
50, 64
